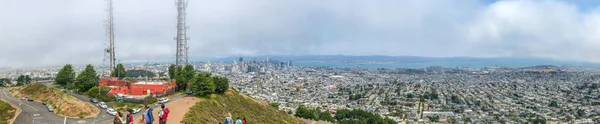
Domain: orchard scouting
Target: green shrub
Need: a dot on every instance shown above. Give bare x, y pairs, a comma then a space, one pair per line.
100, 94
150, 100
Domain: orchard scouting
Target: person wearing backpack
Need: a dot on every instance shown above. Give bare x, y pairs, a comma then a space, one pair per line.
147, 116
162, 115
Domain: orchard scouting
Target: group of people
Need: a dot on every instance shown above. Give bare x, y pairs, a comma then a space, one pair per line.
229, 120
147, 117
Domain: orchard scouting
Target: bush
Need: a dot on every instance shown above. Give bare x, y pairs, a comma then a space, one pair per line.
6, 112
203, 84
100, 95
307, 113
221, 84
150, 100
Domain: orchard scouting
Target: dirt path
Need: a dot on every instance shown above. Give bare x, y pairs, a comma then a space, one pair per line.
178, 109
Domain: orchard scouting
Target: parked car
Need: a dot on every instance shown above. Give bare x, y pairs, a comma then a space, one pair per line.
136, 110
44, 103
111, 111
102, 105
163, 100
189, 92
50, 108
30, 99
94, 100
23, 98
63, 90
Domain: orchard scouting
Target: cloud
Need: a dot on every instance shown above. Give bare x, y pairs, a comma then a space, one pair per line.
547, 29
42, 33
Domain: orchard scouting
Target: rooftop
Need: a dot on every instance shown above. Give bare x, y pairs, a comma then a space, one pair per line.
148, 82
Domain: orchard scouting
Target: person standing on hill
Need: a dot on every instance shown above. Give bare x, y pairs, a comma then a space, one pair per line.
148, 117
163, 114
244, 121
129, 117
238, 121
228, 119
118, 119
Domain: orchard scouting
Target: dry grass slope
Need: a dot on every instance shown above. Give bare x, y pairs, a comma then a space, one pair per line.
7, 112
214, 110
64, 104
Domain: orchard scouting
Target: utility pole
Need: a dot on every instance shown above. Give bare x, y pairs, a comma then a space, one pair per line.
109, 52
181, 38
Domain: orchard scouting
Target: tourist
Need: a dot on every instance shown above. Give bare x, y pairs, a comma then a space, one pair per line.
244, 121
129, 117
238, 121
163, 114
118, 119
148, 117
228, 119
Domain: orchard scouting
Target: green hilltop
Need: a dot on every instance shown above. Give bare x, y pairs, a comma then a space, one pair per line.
213, 110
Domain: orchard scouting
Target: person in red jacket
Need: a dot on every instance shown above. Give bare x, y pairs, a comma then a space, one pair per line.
244, 121
129, 117
162, 116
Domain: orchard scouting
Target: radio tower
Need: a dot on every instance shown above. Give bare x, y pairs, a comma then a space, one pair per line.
182, 47
109, 52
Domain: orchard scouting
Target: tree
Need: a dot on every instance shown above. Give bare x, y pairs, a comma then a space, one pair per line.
306, 113
172, 70
434, 118
451, 120
27, 79
178, 78
409, 95
99, 93
221, 83
325, 116
4, 81
185, 76
465, 118
455, 99
553, 104
21, 80
87, 79
65, 76
119, 71
203, 84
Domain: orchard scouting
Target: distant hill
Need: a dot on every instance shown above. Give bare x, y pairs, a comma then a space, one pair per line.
347, 61
214, 109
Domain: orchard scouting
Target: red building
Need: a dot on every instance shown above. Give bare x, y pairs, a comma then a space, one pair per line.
137, 88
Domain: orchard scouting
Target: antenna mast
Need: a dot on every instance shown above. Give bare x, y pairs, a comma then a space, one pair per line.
109, 52
181, 38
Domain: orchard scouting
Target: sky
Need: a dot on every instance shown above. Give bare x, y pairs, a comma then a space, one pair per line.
47, 33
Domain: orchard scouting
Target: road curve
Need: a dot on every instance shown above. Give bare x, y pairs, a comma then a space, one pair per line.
36, 113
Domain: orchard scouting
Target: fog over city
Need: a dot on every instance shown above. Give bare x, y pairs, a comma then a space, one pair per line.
44, 33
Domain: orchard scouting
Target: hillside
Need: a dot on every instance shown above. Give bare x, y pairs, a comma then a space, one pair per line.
7, 112
65, 104
214, 109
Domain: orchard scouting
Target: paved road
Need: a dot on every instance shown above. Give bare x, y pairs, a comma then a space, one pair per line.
36, 113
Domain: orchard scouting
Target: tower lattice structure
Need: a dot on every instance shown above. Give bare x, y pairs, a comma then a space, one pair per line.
109, 51
181, 38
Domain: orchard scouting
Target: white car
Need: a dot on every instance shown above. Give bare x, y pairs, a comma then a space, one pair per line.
102, 105
163, 100
111, 111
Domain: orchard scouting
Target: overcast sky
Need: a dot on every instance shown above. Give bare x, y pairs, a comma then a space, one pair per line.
55, 32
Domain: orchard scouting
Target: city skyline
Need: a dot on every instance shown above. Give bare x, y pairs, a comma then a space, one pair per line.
59, 32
